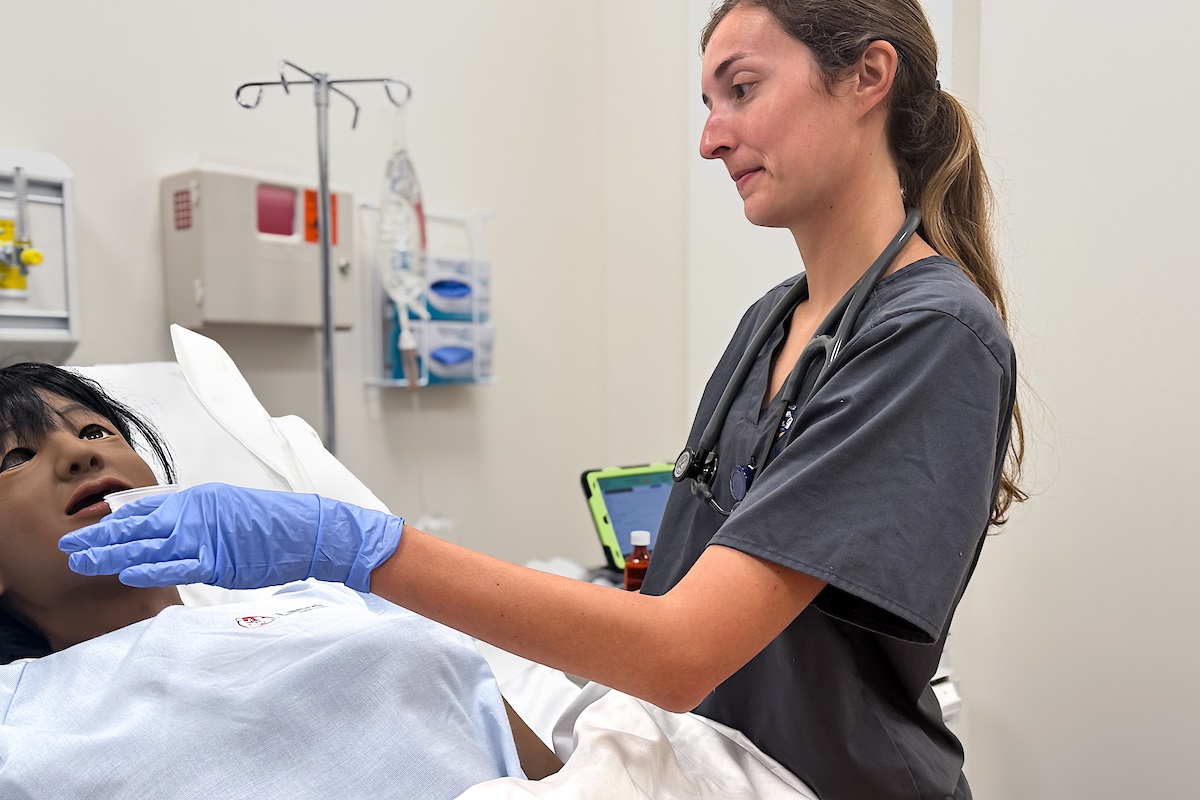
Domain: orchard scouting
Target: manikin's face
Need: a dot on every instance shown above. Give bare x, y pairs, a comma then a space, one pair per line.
783, 137
52, 487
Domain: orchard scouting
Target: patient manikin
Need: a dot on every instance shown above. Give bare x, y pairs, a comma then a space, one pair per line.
313, 691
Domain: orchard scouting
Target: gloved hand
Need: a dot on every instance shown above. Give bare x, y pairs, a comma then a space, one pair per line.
237, 538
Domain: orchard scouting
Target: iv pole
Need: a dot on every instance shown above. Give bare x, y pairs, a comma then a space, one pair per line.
322, 86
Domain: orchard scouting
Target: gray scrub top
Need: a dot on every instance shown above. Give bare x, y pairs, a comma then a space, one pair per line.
884, 493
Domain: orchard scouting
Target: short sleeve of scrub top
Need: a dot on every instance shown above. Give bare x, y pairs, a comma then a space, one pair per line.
889, 481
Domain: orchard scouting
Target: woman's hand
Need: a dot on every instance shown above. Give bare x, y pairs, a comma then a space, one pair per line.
237, 538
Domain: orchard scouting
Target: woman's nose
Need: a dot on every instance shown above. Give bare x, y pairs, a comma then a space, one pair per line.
714, 140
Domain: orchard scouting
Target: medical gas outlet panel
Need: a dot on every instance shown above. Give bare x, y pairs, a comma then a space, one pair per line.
244, 248
38, 307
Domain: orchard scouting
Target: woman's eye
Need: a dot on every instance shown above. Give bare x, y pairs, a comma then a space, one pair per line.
740, 90
15, 458
95, 432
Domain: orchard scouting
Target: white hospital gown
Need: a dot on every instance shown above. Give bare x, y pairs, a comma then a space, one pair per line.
312, 692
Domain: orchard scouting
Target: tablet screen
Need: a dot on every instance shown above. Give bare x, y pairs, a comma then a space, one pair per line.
635, 503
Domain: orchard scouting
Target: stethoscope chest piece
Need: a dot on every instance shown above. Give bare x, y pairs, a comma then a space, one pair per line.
695, 465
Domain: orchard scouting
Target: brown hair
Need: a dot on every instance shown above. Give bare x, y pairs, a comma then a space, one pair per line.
930, 135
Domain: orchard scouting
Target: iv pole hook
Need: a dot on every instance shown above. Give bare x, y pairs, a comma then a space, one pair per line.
322, 86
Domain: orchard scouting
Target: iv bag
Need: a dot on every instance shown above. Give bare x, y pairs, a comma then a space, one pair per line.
402, 228
402, 247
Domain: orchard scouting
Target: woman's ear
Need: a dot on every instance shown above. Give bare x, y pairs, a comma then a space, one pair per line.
874, 73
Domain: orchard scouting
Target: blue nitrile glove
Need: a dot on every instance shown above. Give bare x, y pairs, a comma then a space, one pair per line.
237, 538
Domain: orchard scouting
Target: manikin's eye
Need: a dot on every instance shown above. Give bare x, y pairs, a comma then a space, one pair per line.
95, 432
15, 458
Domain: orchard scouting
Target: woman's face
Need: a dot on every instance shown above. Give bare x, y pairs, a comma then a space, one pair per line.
52, 487
783, 137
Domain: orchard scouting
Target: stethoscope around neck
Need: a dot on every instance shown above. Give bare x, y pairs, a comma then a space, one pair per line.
700, 465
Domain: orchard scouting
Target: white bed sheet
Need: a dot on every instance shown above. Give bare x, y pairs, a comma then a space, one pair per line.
617, 747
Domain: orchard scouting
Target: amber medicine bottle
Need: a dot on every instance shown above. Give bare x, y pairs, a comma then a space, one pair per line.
637, 561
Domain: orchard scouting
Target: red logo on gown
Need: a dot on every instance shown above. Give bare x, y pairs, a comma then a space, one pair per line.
254, 622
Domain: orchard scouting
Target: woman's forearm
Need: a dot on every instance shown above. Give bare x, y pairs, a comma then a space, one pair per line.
670, 650
595, 632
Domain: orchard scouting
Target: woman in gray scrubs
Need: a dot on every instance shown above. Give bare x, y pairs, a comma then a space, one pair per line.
813, 616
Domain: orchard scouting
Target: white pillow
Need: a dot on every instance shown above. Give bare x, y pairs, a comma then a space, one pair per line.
204, 450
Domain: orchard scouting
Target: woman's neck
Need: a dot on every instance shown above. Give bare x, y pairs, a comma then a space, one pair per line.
839, 242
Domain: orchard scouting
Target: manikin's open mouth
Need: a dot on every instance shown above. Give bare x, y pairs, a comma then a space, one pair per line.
94, 492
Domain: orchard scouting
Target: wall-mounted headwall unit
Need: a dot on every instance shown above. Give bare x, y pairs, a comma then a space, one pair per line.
39, 318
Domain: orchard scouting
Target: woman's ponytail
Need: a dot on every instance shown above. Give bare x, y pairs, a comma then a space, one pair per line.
942, 173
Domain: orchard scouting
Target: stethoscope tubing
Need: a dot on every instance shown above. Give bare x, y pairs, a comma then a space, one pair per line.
847, 311
712, 431
822, 345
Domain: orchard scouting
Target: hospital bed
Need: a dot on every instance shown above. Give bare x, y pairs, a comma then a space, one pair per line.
612, 745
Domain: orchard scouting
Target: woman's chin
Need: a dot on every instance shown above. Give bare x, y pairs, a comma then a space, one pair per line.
764, 217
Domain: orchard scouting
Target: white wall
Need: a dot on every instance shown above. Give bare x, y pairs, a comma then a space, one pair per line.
515, 109
1079, 649
644, 136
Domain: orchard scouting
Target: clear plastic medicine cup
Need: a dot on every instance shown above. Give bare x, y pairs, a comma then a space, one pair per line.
118, 499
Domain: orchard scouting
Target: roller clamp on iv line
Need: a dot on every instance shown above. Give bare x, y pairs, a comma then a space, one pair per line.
699, 465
